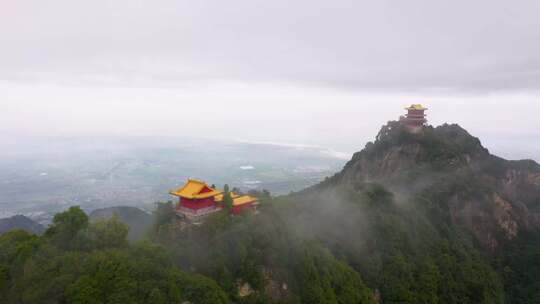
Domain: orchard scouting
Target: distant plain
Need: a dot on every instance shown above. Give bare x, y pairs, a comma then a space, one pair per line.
138, 171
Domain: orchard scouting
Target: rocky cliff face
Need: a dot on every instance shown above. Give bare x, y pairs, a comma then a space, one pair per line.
491, 197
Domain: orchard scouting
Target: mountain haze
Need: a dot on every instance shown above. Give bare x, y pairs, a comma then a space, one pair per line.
415, 217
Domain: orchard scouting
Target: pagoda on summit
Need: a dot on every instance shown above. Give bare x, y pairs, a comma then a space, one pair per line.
415, 118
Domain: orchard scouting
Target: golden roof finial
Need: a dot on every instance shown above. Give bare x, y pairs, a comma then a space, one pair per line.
417, 107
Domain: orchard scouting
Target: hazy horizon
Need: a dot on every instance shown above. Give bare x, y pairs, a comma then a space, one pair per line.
508, 129
307, 72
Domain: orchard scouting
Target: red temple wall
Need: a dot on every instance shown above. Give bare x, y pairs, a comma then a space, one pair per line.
416, 112
196, 203
415, 118
238, 209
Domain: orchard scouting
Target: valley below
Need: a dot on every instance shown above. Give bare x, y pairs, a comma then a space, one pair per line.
48, 177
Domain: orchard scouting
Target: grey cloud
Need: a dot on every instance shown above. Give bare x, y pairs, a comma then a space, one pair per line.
457, 45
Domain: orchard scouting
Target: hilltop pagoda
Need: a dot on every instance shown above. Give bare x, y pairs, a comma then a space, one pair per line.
197, 200
415, 118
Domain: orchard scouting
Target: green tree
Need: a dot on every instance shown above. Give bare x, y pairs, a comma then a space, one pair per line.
109, 233
199, 289
84, 291
164, 216
228, 202
68, 230
47, 275
156, 297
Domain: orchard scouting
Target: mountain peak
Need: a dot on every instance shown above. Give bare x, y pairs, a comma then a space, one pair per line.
445, 146
491, 197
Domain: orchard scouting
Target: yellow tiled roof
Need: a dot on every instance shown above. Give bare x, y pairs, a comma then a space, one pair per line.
219, 197
192, 189
416, 107
244, 199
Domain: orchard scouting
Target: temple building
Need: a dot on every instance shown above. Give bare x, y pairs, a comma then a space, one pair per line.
197, 200
415, 118
240, 202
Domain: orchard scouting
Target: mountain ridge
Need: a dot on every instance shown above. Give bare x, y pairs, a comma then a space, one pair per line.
20, 222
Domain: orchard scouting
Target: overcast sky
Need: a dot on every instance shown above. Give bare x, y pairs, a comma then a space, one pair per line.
317, 72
